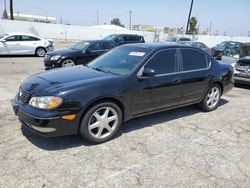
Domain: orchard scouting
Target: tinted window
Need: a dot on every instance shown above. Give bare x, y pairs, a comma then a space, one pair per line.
193, 59
13, 38
108, 45
96, 46
164, 62
129, 38
184, 39
28, 38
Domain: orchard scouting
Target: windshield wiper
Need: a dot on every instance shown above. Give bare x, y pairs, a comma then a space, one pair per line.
103, 70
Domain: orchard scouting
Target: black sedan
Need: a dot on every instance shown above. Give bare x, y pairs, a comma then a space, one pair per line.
127, 82
227, 48
81, 53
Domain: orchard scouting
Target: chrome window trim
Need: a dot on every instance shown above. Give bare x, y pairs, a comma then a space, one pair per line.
139, 74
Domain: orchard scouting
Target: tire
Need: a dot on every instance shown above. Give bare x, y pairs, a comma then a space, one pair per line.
101, 122
40, 52
211, 100
68, 63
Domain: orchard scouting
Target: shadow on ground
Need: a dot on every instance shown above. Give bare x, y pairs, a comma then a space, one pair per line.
242, 86
64, 142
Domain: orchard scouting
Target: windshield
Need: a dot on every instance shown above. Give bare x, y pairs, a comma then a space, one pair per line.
80, 45
4, 35
227, 44
171, 39
120, 61
110, 37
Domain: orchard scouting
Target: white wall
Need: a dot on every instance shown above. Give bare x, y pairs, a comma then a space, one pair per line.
59, 31
69, 32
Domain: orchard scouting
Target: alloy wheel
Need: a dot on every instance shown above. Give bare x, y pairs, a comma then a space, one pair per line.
68, 63
103, 122
213, 97
40, 52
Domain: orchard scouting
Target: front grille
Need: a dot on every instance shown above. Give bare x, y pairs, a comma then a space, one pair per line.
24, 96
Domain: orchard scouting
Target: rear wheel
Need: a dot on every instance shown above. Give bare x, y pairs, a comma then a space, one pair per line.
68, 63
40, 52
101, 122
212, 99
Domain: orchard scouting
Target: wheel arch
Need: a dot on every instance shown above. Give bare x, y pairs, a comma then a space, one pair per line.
221, 86
99, 100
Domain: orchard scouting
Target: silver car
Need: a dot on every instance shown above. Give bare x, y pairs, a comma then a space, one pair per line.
24, 44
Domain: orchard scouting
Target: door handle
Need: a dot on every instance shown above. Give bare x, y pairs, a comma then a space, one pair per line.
176, 81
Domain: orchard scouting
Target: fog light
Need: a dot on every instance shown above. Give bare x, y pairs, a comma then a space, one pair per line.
69, 117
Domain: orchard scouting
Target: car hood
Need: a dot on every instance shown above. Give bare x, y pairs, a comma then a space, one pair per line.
68, 51
218, 48
54, 80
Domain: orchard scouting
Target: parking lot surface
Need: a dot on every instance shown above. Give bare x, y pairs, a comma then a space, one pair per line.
178, 148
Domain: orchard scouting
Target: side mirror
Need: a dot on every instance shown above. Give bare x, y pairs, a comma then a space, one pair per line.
2, 40
147, 72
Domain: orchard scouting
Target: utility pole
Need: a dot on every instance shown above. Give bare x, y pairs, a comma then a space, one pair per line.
11, 10
97, 18
130, 15
210, 27
189, 15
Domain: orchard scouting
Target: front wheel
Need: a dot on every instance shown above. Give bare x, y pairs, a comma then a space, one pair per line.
101, 122
40, 52
68, 63
212, 99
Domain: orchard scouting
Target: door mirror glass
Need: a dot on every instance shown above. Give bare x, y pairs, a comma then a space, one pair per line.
148, 72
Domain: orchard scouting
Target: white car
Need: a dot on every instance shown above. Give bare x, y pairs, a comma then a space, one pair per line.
24, 44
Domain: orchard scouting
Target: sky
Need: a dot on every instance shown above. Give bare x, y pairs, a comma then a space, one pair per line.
227, 16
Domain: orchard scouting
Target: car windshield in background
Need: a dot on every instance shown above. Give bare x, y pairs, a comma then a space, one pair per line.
227, 44
120, 61
80, 45
171, 39
110, 37
2, 36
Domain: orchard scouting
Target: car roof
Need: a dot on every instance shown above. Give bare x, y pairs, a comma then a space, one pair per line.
159, 46
92, 41
125, 34
15, 33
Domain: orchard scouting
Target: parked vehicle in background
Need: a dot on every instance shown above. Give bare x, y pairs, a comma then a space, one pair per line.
227, 48
178, 39
80, 53
24, 44
121, 39
199, 45
242, 67
129, 81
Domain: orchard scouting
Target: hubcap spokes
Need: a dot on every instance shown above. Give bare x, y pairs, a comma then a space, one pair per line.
103, 122
68, 63
41, 52
213, 97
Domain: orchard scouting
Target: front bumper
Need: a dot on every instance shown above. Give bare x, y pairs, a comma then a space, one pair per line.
44, 126
48, 64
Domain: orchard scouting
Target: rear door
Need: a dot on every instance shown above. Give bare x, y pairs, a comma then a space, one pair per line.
163, 90
28, 44
195, 75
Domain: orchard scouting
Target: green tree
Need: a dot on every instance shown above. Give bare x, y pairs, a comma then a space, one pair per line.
192, 26
116, 21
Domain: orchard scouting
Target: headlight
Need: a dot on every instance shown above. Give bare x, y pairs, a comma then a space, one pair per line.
55, 57
47, 103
